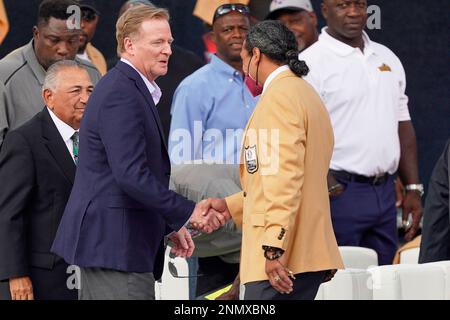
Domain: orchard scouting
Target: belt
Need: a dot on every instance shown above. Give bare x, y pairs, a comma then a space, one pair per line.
375, 180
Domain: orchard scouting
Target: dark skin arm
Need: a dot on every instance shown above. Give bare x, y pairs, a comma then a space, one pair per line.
233, 293
408, 172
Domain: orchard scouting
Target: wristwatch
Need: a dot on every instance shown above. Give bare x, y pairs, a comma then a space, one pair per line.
272, 253
415, 187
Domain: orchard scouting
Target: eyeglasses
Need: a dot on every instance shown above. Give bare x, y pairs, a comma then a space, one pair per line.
174, 272
88, 15
227, 8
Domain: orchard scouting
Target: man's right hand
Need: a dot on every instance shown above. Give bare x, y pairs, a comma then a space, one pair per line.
209, 215
21, 288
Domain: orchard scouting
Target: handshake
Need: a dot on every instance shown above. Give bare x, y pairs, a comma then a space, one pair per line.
208, 216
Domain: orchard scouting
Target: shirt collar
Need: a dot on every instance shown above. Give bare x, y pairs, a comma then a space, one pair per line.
84, 56
36, 67
273, 75
152, 87
64, 129
341, 48
223, 67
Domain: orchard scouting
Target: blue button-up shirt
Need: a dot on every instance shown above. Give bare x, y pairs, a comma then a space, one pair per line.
210, 110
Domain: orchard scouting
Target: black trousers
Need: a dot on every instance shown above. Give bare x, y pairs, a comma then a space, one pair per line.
306, 286
47, 284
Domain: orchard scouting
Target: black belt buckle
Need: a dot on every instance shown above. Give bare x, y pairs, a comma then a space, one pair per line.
379, 179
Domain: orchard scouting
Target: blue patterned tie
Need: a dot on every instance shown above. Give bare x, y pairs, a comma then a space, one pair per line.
75, 138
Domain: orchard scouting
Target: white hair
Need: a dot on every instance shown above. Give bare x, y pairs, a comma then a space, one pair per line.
51, 80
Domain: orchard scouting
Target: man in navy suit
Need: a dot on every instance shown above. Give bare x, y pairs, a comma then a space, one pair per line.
120, 207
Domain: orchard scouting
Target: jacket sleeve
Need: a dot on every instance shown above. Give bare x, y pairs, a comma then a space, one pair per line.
281, 158
122, 130
235, 204
435, 244
16, 181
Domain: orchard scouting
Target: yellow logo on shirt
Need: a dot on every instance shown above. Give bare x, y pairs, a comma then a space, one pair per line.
385, 68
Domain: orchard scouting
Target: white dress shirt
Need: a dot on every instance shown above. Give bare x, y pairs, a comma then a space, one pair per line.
84, 56
364, 93
64, 130
152, 87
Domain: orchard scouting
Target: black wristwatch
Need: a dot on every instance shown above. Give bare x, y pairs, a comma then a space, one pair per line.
272, 253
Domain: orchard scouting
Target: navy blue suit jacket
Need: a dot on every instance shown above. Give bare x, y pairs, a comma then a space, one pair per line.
120, 207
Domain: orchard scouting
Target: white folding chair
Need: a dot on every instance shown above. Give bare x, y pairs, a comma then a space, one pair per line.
348, 284
358, 257
409, 282
410, 256
171, 288
445, 265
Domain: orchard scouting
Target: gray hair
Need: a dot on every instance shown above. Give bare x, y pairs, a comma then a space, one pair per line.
51, 78
278, 43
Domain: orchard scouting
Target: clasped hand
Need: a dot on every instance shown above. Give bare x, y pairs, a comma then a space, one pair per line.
208, 216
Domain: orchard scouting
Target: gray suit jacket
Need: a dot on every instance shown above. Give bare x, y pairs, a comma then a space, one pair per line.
200, 181
435, 244
21, 80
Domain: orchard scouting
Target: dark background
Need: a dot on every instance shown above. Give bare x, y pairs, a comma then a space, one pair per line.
416, 30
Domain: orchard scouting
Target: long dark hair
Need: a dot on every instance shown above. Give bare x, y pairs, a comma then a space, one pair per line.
278, 43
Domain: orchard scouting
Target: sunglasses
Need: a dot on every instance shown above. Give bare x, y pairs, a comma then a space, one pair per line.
174, 272
227, 8
88, 15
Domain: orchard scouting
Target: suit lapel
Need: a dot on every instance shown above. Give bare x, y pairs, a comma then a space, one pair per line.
245, 135
143, 89
133, 74
57, 147
284, 74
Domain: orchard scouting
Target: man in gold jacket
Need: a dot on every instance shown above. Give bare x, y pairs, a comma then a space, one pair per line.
288, 244
4, 23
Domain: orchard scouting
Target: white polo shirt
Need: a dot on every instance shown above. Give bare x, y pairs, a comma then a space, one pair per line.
365, 96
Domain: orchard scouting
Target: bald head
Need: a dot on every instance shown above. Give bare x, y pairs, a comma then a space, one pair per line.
346, 20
